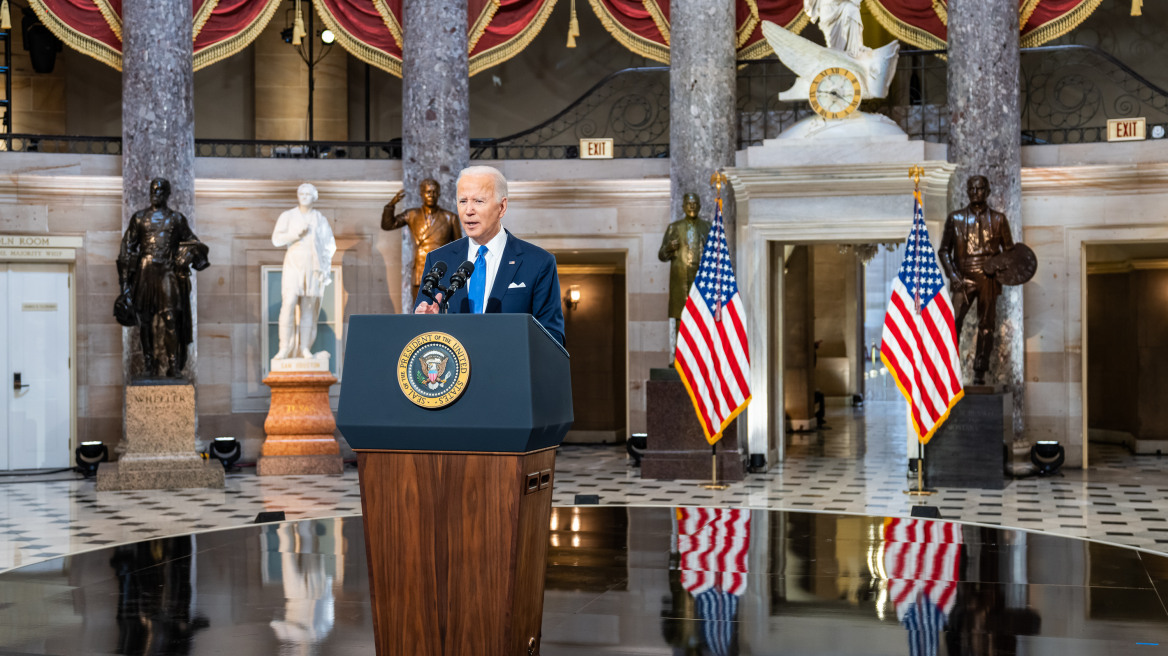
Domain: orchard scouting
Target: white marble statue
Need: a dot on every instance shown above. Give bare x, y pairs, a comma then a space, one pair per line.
840, 22
307, 271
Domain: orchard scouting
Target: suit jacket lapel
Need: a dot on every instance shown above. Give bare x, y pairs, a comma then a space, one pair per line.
512, 254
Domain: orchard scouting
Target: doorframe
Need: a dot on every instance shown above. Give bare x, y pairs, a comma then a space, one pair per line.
55, 251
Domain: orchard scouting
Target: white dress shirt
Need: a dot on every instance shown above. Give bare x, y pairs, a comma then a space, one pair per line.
494, 257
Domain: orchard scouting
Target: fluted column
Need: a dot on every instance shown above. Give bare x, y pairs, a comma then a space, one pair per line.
985, 126
435, 108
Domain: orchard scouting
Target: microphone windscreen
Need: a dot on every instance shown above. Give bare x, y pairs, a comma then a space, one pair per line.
467, 266
441, 268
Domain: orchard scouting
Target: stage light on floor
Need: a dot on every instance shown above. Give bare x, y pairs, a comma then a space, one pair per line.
89, 455
1047, 456
226, 450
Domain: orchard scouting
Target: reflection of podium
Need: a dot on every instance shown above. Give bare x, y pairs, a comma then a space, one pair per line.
456, 497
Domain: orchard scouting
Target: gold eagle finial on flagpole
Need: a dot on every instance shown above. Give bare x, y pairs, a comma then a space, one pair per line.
915, 173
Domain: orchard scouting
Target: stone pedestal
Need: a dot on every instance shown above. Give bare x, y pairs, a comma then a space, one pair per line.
300, 425
969, 450
159, 439
676, 447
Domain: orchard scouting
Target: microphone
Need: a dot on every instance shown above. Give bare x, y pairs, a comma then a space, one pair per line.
458, 278
430, 281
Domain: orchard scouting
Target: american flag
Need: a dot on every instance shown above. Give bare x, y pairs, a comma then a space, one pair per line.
922, 560
712, 546
712, 354
919, 345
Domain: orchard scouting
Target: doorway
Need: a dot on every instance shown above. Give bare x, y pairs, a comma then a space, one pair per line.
36, 346
1126, 359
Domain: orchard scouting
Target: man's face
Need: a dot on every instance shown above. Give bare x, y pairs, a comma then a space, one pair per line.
979, 190
158, 194
305, 197
691, 205
481, 214
430, 193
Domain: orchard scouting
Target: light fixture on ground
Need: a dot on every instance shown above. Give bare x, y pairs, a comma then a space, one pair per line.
1047, 456
89, 455
226, 450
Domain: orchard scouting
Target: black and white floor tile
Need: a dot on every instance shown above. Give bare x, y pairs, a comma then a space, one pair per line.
857, 465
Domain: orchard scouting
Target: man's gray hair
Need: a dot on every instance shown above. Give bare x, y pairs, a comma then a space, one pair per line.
311, 187
496, 175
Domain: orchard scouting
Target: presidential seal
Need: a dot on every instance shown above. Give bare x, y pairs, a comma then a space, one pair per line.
433, 369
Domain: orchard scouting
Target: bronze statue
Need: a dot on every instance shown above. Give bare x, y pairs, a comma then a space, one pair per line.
682, 245
158, 251
431, 226
973, 235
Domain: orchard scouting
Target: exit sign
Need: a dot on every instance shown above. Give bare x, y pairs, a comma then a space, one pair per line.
1126, 129
596, 149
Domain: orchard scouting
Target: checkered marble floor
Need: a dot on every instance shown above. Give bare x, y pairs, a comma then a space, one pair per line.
857, 465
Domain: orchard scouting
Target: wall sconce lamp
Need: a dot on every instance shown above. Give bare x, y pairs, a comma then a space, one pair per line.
573, 297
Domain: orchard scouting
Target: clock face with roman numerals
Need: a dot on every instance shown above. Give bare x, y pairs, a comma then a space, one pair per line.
835, 93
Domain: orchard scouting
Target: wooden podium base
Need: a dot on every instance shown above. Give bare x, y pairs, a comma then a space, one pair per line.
457, 544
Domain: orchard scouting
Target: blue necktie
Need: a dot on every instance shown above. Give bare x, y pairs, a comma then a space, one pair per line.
478, 283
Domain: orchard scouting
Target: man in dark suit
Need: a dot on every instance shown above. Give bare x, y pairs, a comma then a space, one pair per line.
510, 275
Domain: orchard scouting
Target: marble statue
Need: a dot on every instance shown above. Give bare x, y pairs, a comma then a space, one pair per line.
682, 246
972, 237
431, 226
307, 271
873, 68
840, 22
158, 251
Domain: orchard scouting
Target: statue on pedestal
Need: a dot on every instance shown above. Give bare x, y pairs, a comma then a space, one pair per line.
682, 246
307, 271
154, 272
431, 226
979, 255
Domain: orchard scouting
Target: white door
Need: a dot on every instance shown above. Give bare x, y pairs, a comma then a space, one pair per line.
35, 333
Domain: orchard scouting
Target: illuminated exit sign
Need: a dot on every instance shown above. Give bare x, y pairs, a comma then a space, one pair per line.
1126, 129
596, 149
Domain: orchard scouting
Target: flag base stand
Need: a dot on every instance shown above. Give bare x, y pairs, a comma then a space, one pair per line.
713, 483
921, 490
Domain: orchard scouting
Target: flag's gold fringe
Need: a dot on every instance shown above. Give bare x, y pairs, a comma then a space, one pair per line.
635, 42
239, 41
515, 45
702, 420
908, 398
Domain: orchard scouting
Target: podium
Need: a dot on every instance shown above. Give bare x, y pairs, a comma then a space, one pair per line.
455, 420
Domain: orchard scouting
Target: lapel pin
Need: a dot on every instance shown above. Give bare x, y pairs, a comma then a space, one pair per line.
511, 262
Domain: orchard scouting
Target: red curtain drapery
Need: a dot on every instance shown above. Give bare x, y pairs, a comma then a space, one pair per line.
220, 28
497, 30
922, 23
642, 26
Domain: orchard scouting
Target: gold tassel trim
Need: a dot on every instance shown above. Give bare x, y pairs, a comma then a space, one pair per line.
1054, 29
5, 16
504, 51
760, 49
634, 42
390, 21
480, 25
228, 47
658, 17
201, 18
360, 49
942, 11
80, 42
1026, 11
1137, 7
573, 26
911, 35
748, 26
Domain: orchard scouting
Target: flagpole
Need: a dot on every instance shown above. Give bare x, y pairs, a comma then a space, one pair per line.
716, 181
915, 173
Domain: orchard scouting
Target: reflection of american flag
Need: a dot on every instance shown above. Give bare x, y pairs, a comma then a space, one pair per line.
919, 345
712, 356
713, 545
922, 559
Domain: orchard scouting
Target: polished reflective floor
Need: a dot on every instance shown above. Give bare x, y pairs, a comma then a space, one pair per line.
674, 581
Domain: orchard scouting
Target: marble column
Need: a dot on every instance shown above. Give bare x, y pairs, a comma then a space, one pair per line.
701, 102
158, 121
985, 126
435, 109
